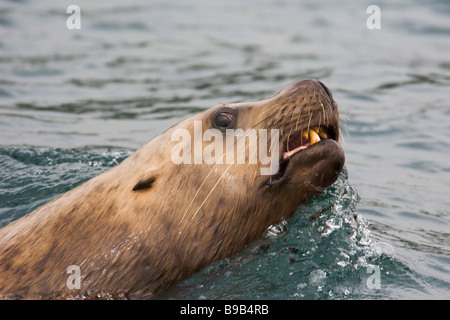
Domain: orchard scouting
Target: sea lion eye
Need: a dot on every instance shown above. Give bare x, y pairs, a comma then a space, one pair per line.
223, 119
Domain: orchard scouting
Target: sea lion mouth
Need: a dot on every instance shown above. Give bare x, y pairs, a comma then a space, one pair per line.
306, 147
309, 148
301, 143
305, 139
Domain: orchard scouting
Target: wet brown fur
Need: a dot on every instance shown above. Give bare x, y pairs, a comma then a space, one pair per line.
133, 244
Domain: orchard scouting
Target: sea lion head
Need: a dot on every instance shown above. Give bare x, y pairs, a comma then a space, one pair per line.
214, 175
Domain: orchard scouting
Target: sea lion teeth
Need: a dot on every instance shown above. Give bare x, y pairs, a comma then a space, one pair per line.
305, 135
313, 137
323, 135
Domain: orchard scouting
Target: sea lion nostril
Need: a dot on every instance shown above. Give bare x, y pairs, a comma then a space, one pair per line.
326, 89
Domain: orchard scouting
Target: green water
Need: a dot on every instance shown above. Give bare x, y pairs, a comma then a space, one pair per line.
74, 103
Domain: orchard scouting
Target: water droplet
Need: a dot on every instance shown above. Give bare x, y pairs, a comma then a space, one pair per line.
380, 248
317, 278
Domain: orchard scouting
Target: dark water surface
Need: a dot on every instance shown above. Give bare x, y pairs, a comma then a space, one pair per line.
74, 103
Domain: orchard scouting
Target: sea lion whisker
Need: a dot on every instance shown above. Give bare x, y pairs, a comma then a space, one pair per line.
342, 123
210, 192
309, 122
298, 119
287, 140
208, 175
323, 111
197, 192
271, 115
262, 113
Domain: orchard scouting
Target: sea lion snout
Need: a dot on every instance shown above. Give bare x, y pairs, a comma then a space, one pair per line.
308, 119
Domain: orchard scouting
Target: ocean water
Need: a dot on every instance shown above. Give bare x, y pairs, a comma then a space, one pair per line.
74, 103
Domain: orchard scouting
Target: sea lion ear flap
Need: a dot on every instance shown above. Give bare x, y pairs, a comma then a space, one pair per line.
147, 181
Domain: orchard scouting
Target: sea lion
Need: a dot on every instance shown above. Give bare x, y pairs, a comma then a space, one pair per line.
149, 222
